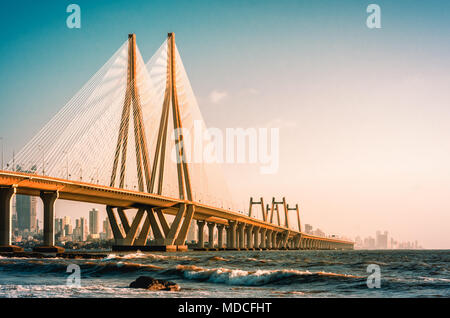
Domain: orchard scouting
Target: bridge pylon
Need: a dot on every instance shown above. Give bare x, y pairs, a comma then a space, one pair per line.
151, 177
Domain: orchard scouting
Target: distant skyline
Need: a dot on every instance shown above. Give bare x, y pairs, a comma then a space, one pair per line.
363, 113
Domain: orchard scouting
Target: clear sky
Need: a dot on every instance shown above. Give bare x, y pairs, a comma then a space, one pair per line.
364, 113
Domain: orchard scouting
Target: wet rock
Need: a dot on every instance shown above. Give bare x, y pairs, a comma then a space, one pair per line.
150, 283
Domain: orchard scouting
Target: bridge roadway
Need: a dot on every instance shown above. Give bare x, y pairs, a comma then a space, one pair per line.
243, 232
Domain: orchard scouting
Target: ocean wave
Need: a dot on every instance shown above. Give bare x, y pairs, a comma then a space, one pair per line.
149, 256
89, 268
435, 279
64, 291
258, 277
218, 258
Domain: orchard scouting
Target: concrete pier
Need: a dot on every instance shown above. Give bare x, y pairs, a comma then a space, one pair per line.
200, 239
274, 240
269, 239
255, 237
262, 232
220, 235
249, 240
48, 199
232, 235
240, 231
6, 195
211, 227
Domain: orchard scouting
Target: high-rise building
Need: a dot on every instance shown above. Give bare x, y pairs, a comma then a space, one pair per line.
369, 242
68, 229
83, 231
107, 229
93, 221
58, 226
319, 232
382, 240
66, 221
26, 213
80, 231
308, 229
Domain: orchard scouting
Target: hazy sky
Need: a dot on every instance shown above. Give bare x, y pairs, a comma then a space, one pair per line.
364, 114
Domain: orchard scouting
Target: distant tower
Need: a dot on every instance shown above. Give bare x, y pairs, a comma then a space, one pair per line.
382, 240
107, 229
308, 229
26, 213
83, 229
93, 221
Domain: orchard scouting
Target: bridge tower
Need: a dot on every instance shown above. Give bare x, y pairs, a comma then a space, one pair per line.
151, 178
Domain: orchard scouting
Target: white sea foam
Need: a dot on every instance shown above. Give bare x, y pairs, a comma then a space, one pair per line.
140, 255
246, 278
433, 279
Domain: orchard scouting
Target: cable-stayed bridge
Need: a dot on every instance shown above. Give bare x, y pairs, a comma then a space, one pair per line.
122, 141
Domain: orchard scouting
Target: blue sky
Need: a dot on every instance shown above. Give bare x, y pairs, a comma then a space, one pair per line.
354, 105
44, 63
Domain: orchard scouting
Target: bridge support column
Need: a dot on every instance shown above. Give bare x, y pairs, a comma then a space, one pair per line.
269, 241
284, 240
275, 240
263, 238
211, 227
248, 232
48, 200
200, 242
220, 235
297, 242
232, 232
240, 231
255, 237
6, 195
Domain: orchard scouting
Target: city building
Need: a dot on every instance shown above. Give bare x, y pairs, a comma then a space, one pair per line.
94, 221
107, 229
26, 213
382, 240
308, 229
319, 232
369, 243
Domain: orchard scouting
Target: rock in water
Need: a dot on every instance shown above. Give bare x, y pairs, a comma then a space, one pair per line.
150, 283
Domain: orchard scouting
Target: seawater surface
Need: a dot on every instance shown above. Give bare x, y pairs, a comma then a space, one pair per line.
404, 273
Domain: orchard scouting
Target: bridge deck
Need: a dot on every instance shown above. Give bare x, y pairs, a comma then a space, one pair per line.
32, 184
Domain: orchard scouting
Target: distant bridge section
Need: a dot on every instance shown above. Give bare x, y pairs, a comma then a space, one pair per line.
242, 232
